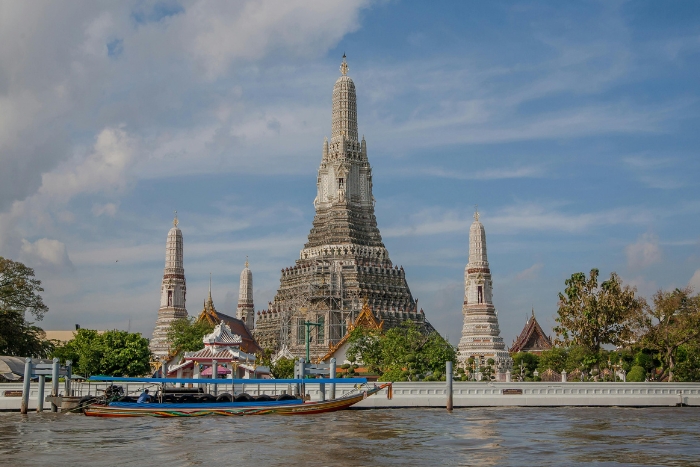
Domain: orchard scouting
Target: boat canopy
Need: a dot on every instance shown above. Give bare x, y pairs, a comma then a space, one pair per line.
123, 379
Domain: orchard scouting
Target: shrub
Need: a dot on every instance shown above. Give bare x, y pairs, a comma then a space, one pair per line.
636, 374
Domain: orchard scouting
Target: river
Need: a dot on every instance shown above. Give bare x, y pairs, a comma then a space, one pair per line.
426, 437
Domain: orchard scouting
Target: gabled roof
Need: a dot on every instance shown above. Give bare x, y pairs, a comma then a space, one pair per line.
236, 326
365, 320
532, 338
222, 335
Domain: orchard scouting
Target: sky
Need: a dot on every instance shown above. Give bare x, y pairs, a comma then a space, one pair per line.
573, 126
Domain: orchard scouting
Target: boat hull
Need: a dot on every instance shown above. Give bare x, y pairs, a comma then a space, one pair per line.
191, 410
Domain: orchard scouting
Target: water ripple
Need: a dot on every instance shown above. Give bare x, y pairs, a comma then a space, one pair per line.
478, 436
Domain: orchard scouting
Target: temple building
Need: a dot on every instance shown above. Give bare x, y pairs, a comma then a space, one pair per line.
364, 320
246, 310
235, 325
481, 338
532, 338
344, 260
172, 293
224, 347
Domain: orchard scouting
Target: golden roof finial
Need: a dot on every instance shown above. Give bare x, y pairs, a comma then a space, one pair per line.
344, 66
476, 212
246, 261
175, 221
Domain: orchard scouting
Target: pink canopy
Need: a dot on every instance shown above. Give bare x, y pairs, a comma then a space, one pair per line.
220, 370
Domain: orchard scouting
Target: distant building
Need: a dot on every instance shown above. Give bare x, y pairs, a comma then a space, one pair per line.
532, 338
364, 320
235, 325
224, 347
172, 293
481, 338
246, 310
62, 336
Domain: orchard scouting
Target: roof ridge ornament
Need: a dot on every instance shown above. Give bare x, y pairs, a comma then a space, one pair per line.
344, 66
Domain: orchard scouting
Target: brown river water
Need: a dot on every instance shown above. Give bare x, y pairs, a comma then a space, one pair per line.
425, 437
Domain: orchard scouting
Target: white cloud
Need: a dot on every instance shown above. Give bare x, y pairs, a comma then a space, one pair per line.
103, 170
516, 218
220, 33
644, 252
486, 174
695, 281
530, 273
109, 209
45, 253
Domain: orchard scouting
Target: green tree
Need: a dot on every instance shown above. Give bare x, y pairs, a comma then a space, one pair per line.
401, 353
672, 322
554, 359
525, 363
581, 358
283, 368
688, 363
186, 334
84, 350
437, 351
124, 354
364, 345
22, 339
591, 316
19, 295
113, 353
636, 374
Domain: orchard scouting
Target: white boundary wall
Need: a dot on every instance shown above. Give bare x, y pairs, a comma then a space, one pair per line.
434, 394
538, 395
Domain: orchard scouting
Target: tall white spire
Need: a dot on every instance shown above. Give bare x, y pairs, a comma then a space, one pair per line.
344, 124
246, 310
481, 338
345, 176
173, 291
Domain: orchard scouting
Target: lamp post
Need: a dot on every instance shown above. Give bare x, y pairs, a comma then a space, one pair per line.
308, 325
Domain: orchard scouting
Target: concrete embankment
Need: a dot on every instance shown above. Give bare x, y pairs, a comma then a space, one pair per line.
538, 395
434, 394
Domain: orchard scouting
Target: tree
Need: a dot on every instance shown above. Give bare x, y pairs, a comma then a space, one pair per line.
365, 346
186, 334
19, 290
591, 316
554, 359
525, 364
124, 354
401, 353
283, 368
636, 374
113, 353
687, 363
19, 294
671, 323
437, 351
22, 339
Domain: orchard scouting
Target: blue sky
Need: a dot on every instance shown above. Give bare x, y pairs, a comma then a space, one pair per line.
573, 127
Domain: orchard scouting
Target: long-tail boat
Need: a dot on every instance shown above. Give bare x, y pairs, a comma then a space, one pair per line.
114, 405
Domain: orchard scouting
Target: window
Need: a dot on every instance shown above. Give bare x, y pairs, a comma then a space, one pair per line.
321, 330
301, 337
